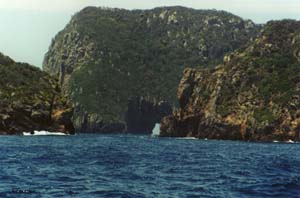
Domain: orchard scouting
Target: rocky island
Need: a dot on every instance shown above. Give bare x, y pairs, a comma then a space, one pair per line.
31, 100
121, 68
253, 95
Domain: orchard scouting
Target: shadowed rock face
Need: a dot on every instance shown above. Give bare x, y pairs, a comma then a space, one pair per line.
105, 57
142, 114
253, 95
140, 117
31, 100
91, 123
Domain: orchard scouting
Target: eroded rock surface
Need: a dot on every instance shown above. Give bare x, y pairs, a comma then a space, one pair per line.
253, 95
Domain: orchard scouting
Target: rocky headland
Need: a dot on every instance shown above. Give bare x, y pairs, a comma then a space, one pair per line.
121, 68
254, 95
31, 100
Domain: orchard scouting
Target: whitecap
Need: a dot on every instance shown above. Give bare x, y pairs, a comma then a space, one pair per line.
290, 141
156, 130
42, 133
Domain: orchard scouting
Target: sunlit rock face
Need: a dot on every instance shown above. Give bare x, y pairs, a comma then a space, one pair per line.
253, 95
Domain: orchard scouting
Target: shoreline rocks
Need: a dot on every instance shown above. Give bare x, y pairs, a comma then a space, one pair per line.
140, 117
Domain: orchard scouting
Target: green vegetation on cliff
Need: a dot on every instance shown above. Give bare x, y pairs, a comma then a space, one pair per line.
30, 100
105, 56
253, 95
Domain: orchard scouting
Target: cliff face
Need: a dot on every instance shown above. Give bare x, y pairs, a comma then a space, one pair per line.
105, 57
31, 100
253, 95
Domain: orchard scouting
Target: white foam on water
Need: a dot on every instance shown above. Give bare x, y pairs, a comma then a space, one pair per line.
289, 142
187, 138
42, 133
190, 138
156, 130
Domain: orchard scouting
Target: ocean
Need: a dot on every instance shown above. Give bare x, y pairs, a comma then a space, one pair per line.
136, 166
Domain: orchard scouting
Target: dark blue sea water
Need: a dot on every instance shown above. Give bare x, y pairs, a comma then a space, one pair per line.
141, 166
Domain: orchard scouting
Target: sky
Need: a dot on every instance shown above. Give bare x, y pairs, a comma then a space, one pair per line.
28, 26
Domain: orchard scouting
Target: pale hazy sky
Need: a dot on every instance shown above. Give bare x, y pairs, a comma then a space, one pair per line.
27, 26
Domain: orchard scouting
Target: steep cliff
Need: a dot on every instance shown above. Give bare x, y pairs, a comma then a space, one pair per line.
105, 57
253, 95
31, 100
